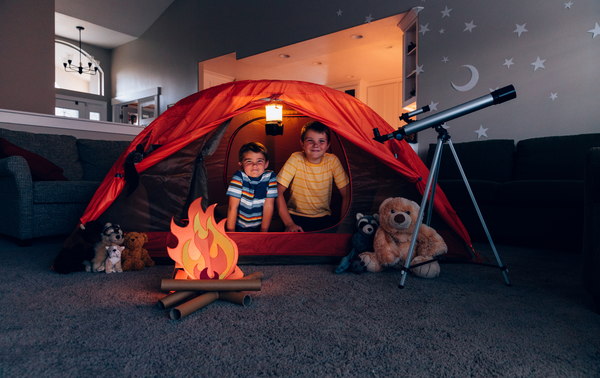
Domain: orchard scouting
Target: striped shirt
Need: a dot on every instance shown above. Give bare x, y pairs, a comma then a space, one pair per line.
311, 184
252, 192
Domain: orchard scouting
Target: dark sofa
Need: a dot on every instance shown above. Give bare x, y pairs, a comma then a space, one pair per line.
530, 194
45, 201
591, 229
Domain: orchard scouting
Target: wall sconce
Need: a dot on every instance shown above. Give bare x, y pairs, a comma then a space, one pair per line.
274, 123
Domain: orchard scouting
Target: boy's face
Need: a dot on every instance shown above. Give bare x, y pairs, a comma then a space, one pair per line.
314, 145
254, 164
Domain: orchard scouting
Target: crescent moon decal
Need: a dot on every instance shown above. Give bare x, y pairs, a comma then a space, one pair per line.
471, 83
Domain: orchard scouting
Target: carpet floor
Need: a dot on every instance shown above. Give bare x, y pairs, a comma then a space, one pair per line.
306, 322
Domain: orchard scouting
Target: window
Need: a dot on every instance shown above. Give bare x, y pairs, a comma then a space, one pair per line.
139, 108
69, 106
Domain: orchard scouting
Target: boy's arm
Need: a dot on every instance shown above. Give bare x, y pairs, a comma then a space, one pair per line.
345, 192
284, 214
232, 212
267, 215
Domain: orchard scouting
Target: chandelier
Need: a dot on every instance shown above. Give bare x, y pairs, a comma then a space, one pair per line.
72, 68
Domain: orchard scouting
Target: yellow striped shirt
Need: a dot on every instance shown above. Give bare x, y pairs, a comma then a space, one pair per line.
311, 184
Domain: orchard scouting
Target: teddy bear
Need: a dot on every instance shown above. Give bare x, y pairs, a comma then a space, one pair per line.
361, 241
78, 249
134, 256
111, 235
112, 264
397, 219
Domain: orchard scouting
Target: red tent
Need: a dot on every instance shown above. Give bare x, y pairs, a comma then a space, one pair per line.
206, 115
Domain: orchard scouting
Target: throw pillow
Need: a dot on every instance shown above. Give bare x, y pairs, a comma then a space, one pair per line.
41, 168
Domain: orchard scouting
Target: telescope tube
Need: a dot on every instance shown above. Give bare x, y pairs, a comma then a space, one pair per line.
496, 97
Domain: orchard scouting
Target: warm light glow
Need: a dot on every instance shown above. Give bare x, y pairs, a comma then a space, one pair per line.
411, 107
274, 113
203, 249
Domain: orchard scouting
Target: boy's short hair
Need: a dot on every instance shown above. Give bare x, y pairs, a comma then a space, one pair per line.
253, 147
317, 127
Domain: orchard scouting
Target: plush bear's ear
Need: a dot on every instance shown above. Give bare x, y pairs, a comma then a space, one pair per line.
145, 237
385, 202
358, 216
376, 216
107, 248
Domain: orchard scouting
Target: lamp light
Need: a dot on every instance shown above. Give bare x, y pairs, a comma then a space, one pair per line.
274, 119
80, 69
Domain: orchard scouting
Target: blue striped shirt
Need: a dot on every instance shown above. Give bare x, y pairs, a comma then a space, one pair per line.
252, 192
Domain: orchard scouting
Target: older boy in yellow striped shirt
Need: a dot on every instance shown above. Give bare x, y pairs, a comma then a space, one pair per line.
310, 175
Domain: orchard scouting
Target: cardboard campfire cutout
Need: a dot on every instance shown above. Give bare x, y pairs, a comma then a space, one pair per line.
204, 251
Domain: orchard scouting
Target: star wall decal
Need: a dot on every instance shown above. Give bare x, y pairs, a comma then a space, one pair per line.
424, 29
595, 30
521, 29
339, 12
433, 106
508, 63
446, 12
419, 69
568, 5
369, 19
553, 96
442, 31
481, 132
469, 27
538, 64
494, 89
445, 125
445, 60
417, 9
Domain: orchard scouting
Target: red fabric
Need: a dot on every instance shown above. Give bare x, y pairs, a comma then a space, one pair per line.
41, 168
266, 244
201, 113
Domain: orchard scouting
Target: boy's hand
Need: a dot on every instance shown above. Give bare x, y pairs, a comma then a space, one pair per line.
293, 228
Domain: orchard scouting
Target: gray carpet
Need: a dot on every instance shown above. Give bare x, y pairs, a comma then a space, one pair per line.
306, 322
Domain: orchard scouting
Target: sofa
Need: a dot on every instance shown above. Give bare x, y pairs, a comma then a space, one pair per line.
530, 194
47, 181
591, 226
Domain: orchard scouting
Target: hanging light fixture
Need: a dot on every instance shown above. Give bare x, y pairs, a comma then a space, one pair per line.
87, 70
274, 119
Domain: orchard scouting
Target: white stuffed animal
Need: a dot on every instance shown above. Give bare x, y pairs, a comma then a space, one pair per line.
113, 260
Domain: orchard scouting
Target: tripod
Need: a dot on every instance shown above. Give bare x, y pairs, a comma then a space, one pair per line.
443, 137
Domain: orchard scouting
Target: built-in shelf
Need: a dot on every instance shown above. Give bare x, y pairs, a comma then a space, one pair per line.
408, 25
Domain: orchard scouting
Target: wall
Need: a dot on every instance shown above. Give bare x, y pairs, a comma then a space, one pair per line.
190, 32
558, 35
27, 55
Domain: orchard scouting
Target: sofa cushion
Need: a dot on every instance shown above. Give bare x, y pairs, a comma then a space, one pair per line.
59, 149
98, 156
555, 194
490, 160
553, 158
457, 193
41, 169
64, 191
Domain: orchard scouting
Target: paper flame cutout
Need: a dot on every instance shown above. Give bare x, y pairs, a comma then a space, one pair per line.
203, 248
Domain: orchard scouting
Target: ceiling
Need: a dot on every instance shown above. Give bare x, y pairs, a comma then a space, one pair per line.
108, 23
334, 58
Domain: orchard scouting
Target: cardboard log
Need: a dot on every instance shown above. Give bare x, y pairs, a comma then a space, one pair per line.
193, 305
210, 285
174, 298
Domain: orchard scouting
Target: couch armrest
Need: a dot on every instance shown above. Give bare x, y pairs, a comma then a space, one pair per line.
591, 226
16, 198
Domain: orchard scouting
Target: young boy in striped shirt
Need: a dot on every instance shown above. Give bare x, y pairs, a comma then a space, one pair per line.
252, 191
310, 174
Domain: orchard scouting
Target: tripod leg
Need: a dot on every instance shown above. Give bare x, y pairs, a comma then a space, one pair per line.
487, 233
432, 173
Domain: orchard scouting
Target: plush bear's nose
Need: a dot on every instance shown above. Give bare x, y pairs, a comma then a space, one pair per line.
399, 218
118, 237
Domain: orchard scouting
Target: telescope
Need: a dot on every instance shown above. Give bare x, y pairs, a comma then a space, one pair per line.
496, 97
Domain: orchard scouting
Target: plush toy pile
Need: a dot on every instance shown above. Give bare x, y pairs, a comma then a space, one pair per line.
111, 235
397, 219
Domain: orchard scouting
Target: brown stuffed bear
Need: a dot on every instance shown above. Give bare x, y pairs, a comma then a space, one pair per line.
397, 218
134, 257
